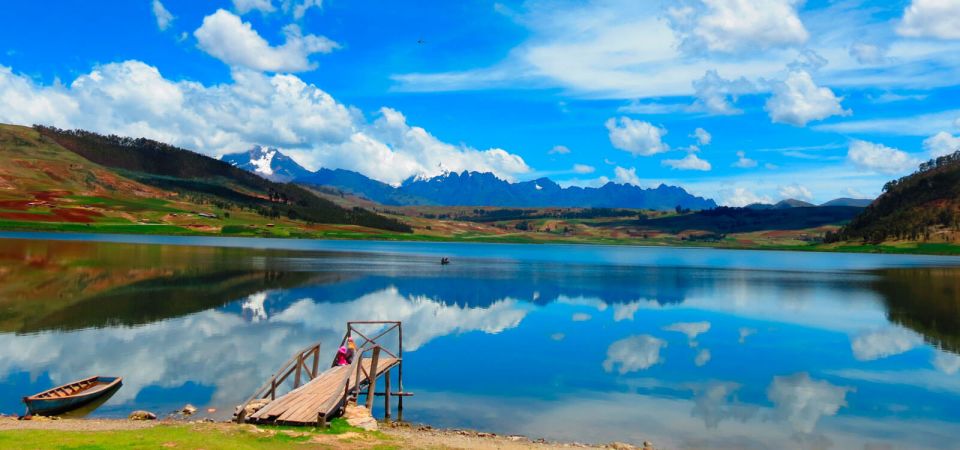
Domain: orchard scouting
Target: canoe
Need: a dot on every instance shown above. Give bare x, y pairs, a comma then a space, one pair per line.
71, 395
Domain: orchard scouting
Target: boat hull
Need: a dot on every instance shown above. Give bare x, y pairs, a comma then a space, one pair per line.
38, 405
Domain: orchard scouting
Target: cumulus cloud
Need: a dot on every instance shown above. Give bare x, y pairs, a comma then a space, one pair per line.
717, 95
163, 16
298, 8
633, 353
802, 401
626, 176
559, 150
702, 358
717, 401
689, 162
882, 343
226, 37
941, 144
931, 18
743, 162
796, 191
879, 158
702, 136
740, 197
691, 329
798, 100
133, 99
736, 26
583, 168
946, 362
636, 136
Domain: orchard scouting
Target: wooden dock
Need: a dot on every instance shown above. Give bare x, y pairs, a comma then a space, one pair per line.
325, 394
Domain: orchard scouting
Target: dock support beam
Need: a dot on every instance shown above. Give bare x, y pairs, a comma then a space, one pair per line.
386, 398
372, 378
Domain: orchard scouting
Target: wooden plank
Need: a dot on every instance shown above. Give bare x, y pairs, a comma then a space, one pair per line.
372, 380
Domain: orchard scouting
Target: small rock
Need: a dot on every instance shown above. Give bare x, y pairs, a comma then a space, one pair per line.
620, 446
516, 438
360, 417
189, 410
254, 406
142, 415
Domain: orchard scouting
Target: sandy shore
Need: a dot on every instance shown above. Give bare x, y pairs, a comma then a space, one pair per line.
398, 435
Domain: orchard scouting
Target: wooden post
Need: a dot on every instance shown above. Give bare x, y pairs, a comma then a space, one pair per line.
400, 373
316, 361
296, 380
372, 378
273, 388
386, 396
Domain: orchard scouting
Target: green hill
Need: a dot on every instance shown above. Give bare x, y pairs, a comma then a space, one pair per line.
922, 206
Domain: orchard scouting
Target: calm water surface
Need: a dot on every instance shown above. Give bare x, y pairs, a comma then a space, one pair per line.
688, 348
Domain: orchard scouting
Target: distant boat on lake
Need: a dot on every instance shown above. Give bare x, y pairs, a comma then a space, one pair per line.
71, 396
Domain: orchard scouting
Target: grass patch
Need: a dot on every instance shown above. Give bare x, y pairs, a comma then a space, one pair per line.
131, 205
118, 228
206, 436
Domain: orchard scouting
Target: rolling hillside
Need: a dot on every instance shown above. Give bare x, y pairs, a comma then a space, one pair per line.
80, 181
922, 206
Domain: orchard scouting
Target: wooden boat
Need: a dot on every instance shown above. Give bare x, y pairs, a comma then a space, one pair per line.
71, 395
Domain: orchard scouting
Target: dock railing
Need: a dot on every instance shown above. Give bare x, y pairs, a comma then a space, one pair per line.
297, 366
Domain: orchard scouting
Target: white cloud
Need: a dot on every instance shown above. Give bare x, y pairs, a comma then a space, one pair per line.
702, 136
802, 401
931, 18
717, 95
583, 168
633, 353
625, 311
946, 362
580, 317
299, 7
245, 6
798, 100
164, 18
879, 158
941, 144
796, 191
689, 162
559, 150
702, 358
226, 37
626, 176
885, 342
918, 125
744, 333
735, 26
868, 53
743, 162
640, 107
636, 136
282, 111
690, 329
740, 197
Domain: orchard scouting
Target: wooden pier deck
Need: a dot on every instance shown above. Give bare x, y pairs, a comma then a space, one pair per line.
322, 397
326, 393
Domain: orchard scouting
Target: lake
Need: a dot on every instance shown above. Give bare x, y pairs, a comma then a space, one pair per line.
687, 348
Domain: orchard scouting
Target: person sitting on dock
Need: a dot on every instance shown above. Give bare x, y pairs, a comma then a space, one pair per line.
341, 359
351, 350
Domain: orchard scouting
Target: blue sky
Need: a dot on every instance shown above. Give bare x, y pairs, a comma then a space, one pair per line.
737, 101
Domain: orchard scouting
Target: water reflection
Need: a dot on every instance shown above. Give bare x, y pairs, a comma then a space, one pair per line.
688, 356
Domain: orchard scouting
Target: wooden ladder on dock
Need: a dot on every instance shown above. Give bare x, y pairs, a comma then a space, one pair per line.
326, 394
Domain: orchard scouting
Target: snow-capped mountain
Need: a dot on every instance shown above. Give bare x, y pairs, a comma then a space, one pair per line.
269, 163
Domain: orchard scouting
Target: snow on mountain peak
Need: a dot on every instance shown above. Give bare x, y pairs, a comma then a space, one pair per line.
264, 163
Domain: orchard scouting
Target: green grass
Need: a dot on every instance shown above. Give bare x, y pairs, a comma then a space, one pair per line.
118, 228
140, 204
206, 436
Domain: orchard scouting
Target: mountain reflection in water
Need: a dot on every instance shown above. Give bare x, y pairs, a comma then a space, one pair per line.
686, 354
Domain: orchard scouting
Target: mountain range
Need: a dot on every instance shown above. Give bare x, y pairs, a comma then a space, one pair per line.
794, 203
468, 188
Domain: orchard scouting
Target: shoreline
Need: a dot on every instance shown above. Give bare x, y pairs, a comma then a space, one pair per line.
851, 249
399, 435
